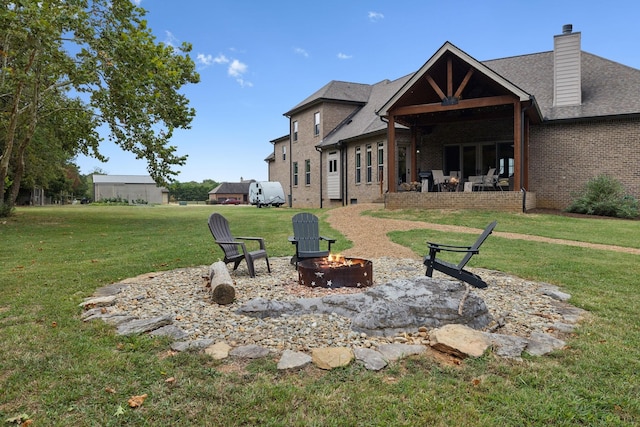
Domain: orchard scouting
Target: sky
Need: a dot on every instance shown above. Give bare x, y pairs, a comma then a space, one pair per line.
258, 59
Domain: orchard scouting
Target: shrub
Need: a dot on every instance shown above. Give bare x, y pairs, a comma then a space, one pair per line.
605, 196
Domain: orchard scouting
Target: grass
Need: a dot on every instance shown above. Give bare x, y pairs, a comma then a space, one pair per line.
60, 371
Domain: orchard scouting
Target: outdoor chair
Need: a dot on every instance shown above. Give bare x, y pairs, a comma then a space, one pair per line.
453, 270
234, 250
438, 179
490, 180
306, 237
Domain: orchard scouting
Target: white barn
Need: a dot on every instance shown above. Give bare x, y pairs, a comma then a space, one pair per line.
133, 188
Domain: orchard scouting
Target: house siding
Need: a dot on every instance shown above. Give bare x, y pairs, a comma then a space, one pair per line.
565, 156
279, 168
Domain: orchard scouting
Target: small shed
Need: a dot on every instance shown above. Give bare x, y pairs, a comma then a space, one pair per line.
135, 189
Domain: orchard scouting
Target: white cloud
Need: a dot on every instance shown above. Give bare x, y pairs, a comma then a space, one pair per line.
375, 16
221, 59
208, 59
203, 59
137, 2
170, 39
236, 70
344, 56
300, 51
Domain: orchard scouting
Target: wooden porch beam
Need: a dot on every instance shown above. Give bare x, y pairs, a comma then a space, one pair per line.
517, 148
391, 154
463, 104
449, 77
435, 87
464, 83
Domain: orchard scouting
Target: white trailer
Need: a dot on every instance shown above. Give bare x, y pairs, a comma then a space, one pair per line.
266, 193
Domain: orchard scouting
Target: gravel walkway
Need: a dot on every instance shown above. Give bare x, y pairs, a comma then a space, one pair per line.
369, 234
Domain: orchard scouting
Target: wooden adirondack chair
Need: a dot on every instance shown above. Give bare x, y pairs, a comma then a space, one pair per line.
457, 271
234, 250
306, 237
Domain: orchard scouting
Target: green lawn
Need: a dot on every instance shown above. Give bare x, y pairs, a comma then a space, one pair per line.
57, 370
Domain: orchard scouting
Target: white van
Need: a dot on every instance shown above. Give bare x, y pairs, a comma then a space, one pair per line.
266, 193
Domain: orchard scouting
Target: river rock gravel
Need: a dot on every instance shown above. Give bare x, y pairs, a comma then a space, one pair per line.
518, 307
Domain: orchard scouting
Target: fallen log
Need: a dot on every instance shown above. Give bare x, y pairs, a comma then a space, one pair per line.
222, 290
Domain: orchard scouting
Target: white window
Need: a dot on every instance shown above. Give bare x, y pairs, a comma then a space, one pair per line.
295, 174
316, 124
307, 172
284, 152
369, 165
380, 162
358, 166
295, 131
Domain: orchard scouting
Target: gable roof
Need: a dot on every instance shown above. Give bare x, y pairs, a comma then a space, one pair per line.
364, 121
232, 188
448, 47
336, 91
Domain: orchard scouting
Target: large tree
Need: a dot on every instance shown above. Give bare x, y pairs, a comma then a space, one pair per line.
91, 67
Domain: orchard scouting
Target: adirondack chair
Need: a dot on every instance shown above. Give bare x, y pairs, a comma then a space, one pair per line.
306, 237
457, 271
234, 250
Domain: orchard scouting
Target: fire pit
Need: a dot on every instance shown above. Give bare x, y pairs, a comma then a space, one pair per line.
335, 271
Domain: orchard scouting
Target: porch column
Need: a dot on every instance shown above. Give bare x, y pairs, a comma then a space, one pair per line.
391, 155
414, 156
517, 148
525, 155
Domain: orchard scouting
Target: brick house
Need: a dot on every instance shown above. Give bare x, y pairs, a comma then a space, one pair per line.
548, 122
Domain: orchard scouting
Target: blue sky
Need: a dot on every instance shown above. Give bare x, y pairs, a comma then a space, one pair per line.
258, 59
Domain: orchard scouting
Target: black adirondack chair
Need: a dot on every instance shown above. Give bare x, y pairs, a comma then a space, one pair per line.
453, 270
306, 237
234, 250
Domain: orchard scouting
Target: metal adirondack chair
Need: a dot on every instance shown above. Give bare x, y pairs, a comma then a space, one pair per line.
306, 237
453, 270
234, 250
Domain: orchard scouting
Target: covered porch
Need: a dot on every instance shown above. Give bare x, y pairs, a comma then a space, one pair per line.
462, 119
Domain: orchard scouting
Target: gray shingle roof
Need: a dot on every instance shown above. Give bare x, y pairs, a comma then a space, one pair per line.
365, 121
232, 188
336, 91
608, 88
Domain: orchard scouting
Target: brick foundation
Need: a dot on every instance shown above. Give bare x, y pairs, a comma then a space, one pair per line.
509, 201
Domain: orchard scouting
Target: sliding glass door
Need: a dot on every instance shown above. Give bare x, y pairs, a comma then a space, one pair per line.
477, 159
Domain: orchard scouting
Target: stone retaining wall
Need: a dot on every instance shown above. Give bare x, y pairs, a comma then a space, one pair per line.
509, 201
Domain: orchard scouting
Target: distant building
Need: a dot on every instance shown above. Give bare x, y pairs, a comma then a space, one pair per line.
132, 188
231, 190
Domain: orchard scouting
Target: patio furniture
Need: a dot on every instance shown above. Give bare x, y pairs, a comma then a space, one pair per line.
490, 180
438, 179
306, 237
234, 250
453, 270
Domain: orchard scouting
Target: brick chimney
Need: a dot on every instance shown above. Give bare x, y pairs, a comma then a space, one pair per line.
567, 87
